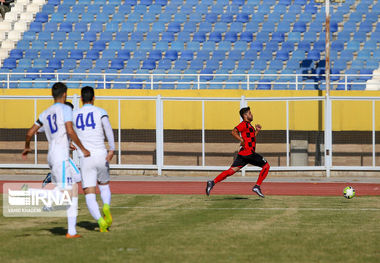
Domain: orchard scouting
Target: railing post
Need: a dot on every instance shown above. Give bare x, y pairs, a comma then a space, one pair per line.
287, 133
373, 134
345, 82
8, 76
104, 81
199, 79
35, 135
247, 81
296, 81
203, 134
151, 82
328, 135
159, 135
119, 132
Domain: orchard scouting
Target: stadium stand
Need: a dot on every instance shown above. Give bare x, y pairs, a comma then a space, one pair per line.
188, 37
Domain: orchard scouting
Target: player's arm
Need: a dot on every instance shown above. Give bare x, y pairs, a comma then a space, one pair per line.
110, 138
74, 137
257, 129
29, 135
236, 135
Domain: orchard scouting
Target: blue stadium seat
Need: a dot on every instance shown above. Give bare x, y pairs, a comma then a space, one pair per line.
29, 36
246, 36
353, 45
196, 64
190, 27
39, 63
66, 27
35, 26
278, 36
164, 64
299, 27
90, 36
199, 36
46, 53
117, 64
69, 64
149, 64
230, 36
59, 36
215, 36
51, 27
79, 27
55, 63
181, 64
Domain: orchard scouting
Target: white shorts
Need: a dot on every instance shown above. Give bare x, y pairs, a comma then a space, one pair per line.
94, 169
64, 174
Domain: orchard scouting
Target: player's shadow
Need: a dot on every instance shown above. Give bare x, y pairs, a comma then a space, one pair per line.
59, 231
87, 225
232, 198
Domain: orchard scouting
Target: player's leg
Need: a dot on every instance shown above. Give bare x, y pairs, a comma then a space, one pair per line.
72, 213
257, 160
89, 174
47, 180
62, 178
105, 191
235, 167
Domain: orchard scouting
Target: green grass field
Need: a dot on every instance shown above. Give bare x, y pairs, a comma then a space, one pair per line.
178, 228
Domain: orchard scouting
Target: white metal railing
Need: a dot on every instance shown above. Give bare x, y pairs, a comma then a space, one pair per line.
159, 138
177, 81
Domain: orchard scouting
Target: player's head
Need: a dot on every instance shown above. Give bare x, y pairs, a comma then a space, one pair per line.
87, 94
59, 90
68, 103
245, 114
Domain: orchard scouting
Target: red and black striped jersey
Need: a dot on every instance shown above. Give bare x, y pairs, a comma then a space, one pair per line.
247, 132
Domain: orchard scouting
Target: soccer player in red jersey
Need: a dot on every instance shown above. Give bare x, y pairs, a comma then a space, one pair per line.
246, 134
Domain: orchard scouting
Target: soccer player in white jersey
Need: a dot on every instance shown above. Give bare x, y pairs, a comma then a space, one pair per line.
91, 123
58, 123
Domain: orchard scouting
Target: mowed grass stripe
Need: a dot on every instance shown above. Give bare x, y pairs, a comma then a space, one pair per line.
188, 228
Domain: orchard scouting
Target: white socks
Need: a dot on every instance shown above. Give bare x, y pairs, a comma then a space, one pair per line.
93, 206
72, 213
105, 193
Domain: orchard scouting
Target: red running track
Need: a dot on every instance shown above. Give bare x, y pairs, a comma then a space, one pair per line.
235, 188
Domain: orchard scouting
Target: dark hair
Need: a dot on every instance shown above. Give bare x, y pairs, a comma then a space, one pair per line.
68, 103
58, 90
244, 111
87, 94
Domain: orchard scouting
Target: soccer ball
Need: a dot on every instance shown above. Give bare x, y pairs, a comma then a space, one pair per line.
349, 192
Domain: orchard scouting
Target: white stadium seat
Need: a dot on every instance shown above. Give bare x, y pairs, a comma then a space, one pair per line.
2, 35
39, 2
33, 8
11, 16
14, 35
4, 53
25, 2
27, 17
5, 26
20, 26
7, 44
18, 8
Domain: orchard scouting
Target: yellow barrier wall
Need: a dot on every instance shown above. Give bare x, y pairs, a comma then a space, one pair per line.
347, 115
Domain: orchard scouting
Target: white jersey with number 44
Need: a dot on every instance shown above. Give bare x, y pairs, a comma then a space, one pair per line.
89, 128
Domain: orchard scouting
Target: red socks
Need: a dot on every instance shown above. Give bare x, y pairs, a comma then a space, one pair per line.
224, 175
229, 172
263, 174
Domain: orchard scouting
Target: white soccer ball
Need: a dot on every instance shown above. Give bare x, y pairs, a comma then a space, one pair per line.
349, 192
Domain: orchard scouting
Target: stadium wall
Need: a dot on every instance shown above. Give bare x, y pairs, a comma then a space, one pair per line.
304, 116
